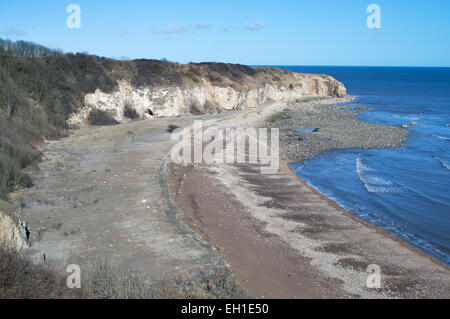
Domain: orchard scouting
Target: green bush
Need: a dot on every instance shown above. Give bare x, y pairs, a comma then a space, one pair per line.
99, 118
130, 113
39, 88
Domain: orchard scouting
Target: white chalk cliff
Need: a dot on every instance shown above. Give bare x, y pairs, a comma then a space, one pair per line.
205, 97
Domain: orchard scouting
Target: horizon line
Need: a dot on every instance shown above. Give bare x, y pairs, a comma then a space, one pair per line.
350, 66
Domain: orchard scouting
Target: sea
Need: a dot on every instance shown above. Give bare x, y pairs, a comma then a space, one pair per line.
403, 190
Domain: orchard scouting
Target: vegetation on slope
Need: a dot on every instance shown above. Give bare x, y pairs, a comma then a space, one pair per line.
21, 279
38, 90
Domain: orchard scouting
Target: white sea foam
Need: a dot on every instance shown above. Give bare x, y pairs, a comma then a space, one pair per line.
442, 137
443, 163
411, 118
373, 183
298, 169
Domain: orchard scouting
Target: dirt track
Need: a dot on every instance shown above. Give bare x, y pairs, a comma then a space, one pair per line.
101, 195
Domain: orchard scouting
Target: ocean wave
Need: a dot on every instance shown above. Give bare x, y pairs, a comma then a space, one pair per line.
443, 162
373, 183
442, 137
411, 118
298, 168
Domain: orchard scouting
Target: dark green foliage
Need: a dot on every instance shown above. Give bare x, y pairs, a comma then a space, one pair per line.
156, 72
193, 74
193, 77
171, 128
232, 71
39, 88
99, 117
130, 113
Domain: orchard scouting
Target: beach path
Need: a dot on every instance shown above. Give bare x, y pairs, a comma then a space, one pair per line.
100, 195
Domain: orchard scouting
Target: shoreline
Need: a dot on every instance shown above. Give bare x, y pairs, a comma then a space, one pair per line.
253, 186
336, 127
368, 224
400, 138
396, 136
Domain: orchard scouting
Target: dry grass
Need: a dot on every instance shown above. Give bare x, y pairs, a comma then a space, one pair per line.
106, 282
20, 279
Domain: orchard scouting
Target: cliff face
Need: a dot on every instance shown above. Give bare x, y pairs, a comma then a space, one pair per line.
10, 237
206, 96
47, 89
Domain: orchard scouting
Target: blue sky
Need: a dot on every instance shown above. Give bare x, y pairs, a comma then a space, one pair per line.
297, 32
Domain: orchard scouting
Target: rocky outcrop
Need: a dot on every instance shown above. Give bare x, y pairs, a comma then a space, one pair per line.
15, 235
10, 234
207, 96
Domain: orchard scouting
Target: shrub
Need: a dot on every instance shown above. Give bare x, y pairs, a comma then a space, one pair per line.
130, 113
21, 279
39, 88
193, 77
107, 282
100, 118
171, 128
195, 108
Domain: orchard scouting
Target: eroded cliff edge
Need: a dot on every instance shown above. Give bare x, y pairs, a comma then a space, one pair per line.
208, 88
